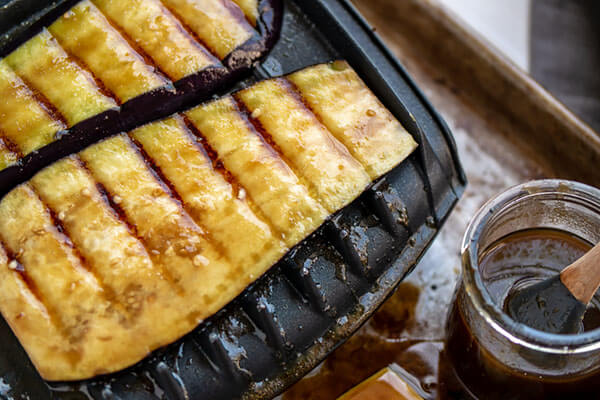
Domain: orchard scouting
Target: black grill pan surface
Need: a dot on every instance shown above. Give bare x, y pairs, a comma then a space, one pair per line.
291, 318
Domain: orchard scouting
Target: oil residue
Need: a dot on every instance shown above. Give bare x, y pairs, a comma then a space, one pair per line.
375, 346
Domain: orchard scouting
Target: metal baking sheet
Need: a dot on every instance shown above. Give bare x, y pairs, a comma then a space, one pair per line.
508, 130
326, 287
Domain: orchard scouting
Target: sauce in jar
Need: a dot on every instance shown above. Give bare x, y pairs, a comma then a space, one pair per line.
517, 260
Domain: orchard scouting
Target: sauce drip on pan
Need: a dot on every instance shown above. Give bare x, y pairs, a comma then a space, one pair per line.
375, 346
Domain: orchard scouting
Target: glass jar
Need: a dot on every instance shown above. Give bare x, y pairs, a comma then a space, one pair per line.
493, 356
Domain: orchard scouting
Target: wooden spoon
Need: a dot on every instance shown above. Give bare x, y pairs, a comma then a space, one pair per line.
558, 304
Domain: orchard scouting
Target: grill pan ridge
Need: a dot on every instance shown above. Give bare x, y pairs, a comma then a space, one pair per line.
327, 286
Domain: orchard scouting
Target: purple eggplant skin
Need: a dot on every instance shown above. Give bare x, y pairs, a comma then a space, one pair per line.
150, 106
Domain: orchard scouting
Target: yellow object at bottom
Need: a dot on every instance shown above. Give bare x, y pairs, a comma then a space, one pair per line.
384, 385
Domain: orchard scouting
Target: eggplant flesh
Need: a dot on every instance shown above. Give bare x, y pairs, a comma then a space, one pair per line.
122, 55
126, 246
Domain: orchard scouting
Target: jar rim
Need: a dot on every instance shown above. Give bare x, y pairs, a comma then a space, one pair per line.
481, 298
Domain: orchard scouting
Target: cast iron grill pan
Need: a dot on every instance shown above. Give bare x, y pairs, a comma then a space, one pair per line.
327, 286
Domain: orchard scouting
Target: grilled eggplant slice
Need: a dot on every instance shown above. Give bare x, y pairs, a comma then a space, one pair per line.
138, 60
24, 122
353, 115
263, 173
172, 49
126, 246
48, 69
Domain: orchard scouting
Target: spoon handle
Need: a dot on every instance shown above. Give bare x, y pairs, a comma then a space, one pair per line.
582, 277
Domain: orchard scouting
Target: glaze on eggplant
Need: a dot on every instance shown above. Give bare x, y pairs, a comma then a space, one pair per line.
107, 66
124, 247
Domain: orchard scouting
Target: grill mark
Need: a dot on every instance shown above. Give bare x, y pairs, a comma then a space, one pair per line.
89, 74
203, 144
138, 50
185, 28
45, 104
63, 235
53, 315
112, 206
10, 145
268, 140
106, 291
205, 147
31, 286
156, 172
169, 188
191, 35
20, 270
243, 112
291, 88
117, 211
